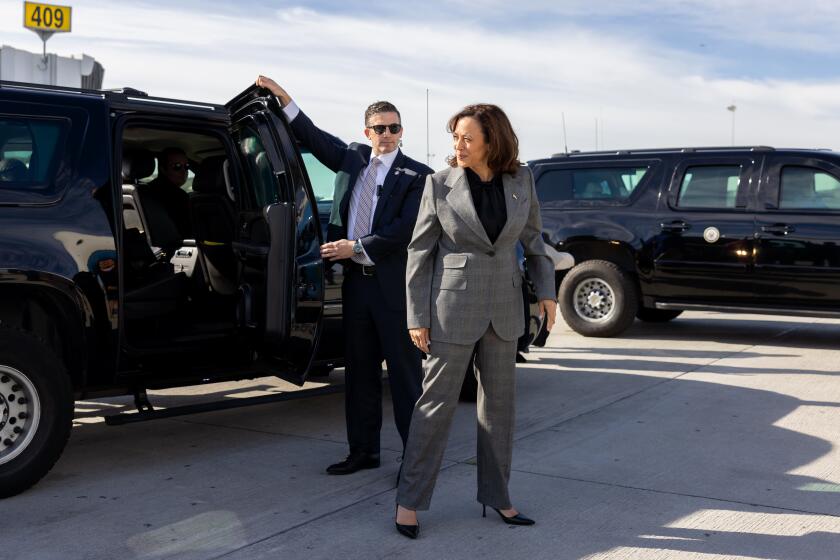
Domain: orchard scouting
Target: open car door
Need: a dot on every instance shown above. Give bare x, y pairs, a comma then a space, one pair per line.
281, 273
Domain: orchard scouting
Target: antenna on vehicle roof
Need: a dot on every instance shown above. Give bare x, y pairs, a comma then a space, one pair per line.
565, 142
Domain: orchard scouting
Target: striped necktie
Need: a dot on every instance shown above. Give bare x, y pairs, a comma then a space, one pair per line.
364, 203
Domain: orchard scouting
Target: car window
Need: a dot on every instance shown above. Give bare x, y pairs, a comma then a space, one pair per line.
609, 184
711, 186
321, 177
30, 150
258, 168
808, 188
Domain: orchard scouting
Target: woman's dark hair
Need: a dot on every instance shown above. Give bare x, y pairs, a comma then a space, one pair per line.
502, 143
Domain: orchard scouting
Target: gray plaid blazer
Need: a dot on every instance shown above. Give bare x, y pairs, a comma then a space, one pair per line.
457, 282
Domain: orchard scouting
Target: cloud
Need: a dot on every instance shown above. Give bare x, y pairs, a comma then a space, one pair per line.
807, 25
644, 93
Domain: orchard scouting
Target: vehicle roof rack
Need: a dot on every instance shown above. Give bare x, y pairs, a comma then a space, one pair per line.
128, 91
686, 149
121, 95
7, 84
127, 95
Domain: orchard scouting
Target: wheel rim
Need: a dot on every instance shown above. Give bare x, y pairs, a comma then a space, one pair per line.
594, 300
20, 413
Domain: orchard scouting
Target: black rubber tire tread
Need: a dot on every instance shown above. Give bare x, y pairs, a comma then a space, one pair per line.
626, 298
29, 354
650, 315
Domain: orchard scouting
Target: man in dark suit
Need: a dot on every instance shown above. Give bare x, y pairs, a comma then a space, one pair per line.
375, 204
172, 172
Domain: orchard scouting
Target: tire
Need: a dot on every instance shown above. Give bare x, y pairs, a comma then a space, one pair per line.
597, 298
33, 381
651, 315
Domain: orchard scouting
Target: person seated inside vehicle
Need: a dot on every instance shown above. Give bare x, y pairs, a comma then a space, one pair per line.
798, 190
166, 188
593, 190
13, 171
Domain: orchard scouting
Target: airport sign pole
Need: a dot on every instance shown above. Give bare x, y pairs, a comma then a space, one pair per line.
46, 19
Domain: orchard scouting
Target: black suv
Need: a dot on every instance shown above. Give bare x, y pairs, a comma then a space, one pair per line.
656, 232
101, 291
100, 294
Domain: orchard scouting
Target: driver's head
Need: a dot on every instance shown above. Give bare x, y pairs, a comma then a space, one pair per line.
172, 166
13, 170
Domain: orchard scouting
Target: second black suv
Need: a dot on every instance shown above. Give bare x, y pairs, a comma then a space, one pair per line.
657, 232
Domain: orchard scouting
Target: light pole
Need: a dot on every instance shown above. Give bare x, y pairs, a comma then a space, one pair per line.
731, 109
429, 154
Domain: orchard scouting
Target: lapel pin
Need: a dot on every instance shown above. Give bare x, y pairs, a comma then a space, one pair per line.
515, 197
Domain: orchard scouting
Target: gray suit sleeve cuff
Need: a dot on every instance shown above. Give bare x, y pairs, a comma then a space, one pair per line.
418, 322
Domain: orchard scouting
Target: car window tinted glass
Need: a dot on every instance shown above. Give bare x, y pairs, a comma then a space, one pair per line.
30, 150
258, 168
713, 186
809, 188
613, 184
321, 177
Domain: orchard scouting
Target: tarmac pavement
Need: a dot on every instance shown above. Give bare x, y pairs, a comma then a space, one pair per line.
712, 436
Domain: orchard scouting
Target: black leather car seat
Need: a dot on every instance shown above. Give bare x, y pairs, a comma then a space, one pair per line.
214, 224
161, 230
153, 288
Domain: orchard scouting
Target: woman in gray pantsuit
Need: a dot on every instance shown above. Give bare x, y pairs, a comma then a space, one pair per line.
464, 289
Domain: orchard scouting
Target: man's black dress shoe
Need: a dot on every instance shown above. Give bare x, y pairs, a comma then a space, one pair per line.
517, 519
354, 462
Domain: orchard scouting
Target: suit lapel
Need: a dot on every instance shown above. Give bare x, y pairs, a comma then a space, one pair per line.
460, 200
512, 185
391, 179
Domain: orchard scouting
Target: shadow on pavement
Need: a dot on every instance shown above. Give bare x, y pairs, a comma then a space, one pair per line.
675, 367
735, 329
713, 446
621, 475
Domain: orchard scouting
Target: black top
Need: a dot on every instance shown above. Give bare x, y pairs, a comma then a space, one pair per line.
489, 201
175, 200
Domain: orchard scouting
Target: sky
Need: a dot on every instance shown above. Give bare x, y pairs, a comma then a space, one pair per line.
621, 74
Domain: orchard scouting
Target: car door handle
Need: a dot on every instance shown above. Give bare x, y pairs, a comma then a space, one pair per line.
778, 229
675, 226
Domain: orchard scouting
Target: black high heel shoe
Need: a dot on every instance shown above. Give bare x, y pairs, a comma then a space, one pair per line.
517, 519
410, 531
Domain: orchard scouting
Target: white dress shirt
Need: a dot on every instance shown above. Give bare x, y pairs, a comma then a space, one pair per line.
291, 111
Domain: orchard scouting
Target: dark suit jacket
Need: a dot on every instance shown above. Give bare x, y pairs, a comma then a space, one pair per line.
396, 210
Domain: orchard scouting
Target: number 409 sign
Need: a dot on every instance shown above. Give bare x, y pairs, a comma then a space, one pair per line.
46, 17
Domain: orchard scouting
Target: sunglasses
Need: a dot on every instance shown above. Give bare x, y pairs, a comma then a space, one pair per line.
380, 128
